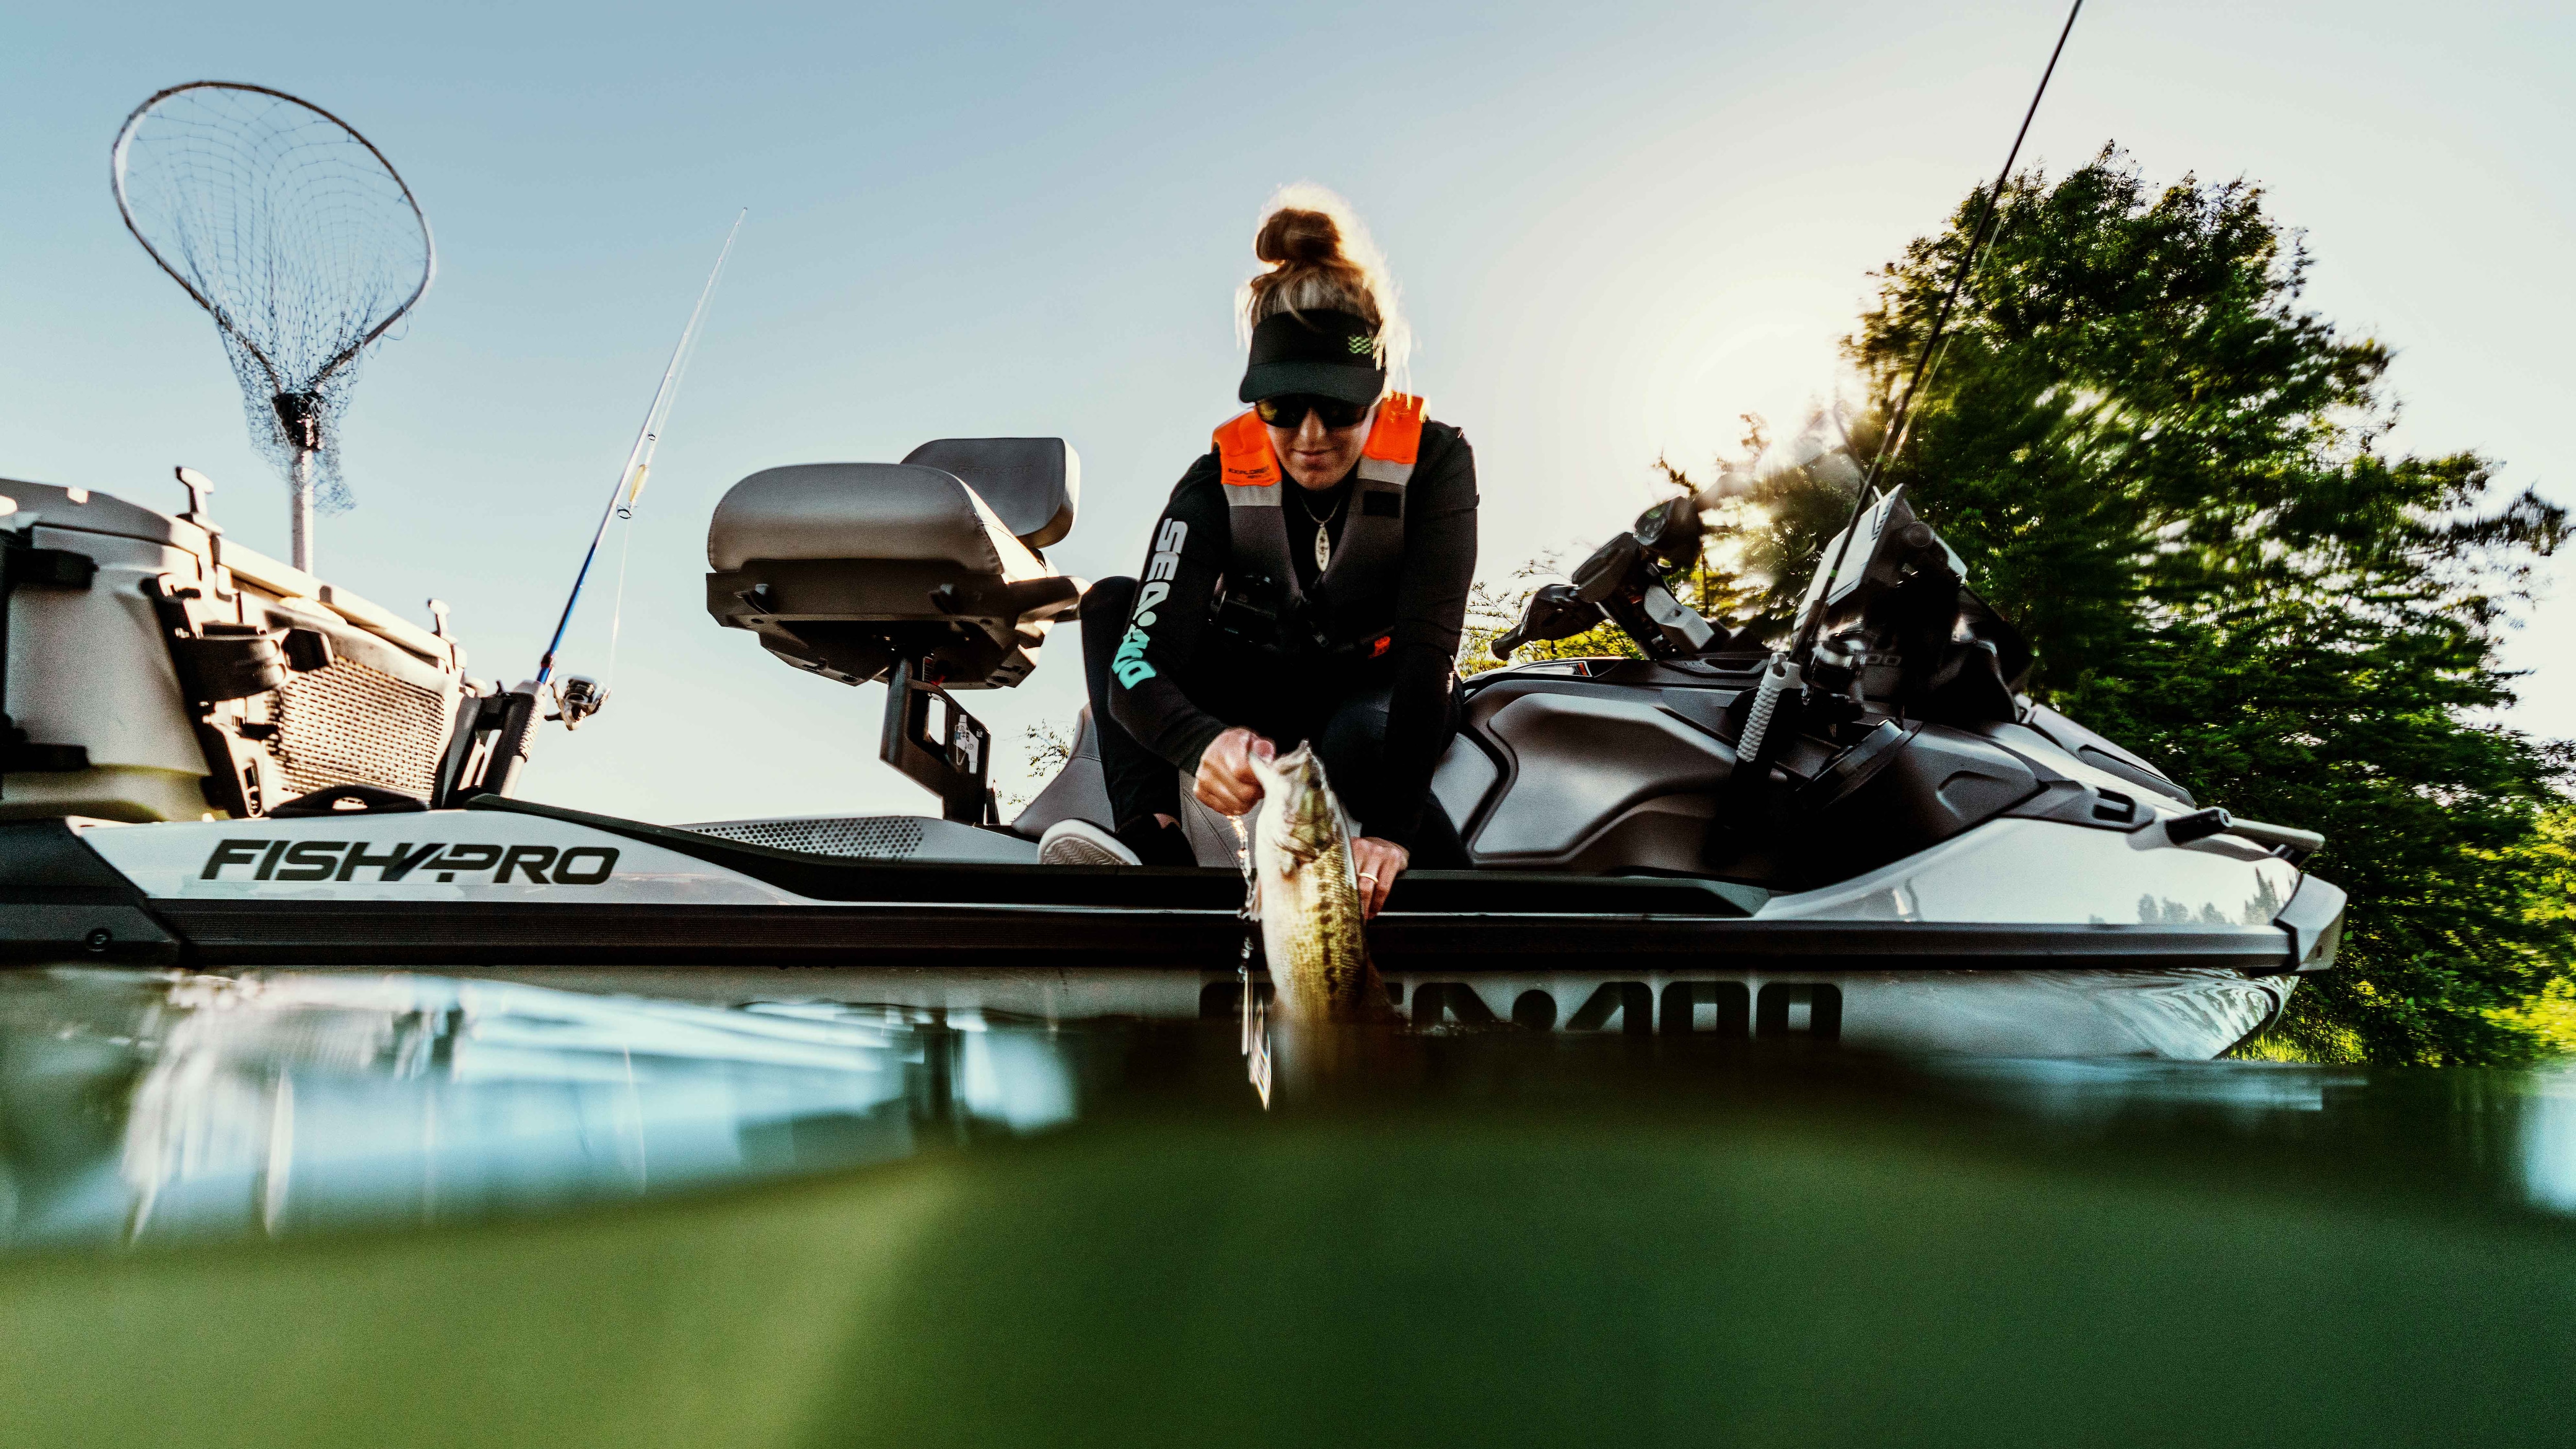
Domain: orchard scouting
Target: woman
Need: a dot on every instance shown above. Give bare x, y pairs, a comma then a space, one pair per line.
1307, 581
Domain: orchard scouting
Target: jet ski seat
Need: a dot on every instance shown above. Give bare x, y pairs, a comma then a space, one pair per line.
849, 569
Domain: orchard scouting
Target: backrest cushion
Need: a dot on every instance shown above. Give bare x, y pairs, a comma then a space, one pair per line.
854, 511
1031, 484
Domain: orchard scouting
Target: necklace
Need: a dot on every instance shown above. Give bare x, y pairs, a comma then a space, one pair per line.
1323, 528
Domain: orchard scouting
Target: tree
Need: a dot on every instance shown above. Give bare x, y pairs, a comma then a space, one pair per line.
2168, 471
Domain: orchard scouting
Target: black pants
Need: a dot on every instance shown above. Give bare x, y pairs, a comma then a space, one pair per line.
1347, 727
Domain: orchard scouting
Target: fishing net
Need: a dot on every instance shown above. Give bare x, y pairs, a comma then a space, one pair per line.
295, 234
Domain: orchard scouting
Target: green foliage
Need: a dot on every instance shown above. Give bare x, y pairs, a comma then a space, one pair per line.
1049, 747
2167, 471
2548, 864
1491, 613
2135, 421
2169, 474
1720, 585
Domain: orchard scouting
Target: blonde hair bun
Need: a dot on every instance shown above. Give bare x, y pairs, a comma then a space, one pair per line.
1321, 259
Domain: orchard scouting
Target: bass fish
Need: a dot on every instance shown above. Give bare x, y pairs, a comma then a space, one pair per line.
1308, 898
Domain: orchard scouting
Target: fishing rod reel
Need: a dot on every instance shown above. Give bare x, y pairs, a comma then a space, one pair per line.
577, 699
494, 734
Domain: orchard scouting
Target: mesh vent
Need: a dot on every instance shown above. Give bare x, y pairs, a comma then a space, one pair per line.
351, 724
877, 837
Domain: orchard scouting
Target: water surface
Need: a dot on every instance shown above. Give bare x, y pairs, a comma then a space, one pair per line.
341, 1207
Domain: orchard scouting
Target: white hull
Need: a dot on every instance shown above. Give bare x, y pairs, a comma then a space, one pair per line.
2100, 947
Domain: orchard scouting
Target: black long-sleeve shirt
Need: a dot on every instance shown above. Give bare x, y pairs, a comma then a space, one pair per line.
1188, 654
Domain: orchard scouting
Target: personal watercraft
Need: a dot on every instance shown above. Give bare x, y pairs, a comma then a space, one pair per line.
1916, 857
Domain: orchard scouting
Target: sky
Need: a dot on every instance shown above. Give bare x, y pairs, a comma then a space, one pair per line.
1617, 228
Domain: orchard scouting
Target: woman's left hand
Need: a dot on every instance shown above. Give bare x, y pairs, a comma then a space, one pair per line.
1379, 862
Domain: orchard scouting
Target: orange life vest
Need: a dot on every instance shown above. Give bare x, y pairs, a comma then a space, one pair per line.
1350, 607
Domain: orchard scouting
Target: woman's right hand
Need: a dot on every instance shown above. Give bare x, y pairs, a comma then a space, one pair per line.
1226, 783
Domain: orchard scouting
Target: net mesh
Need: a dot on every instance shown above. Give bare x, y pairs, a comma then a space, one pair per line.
295, 234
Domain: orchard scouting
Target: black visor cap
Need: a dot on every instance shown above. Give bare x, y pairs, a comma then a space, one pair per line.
1332, 354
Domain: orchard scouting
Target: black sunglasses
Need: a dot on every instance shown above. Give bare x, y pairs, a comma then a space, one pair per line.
1290, 411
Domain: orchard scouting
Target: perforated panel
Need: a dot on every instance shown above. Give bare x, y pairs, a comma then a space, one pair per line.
876, 837
349, 723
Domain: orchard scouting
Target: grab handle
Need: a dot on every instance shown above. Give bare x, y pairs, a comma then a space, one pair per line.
2202, 824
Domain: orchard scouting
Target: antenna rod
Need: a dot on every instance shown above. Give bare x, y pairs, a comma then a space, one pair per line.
1786, 669
1898, 427
639, 459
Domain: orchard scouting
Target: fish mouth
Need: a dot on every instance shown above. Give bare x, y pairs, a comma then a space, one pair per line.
1300, 813
1290, 774
1292, 777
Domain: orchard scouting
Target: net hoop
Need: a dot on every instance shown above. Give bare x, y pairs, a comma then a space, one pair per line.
116, 183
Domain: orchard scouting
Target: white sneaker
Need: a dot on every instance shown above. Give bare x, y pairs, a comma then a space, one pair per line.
1079, 842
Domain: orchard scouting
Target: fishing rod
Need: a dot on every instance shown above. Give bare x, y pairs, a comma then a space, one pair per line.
1927, 361
490, 742
639, 462
1786, 667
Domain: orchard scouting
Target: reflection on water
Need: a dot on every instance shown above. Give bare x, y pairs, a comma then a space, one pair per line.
2496, 1136
2547, 1144
144, 1107
156, 1107
2079, 1093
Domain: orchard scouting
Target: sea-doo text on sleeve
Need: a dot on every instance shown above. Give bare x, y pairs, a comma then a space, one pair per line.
1130, 664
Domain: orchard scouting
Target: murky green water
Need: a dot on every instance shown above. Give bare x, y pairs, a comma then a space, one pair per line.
359, 1209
